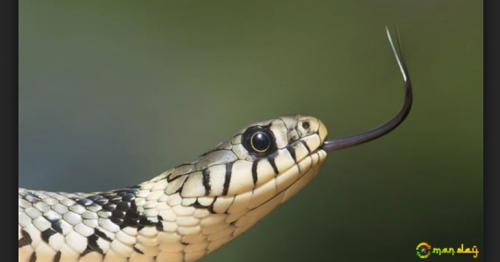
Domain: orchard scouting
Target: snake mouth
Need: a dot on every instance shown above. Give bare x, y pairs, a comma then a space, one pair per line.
323, 145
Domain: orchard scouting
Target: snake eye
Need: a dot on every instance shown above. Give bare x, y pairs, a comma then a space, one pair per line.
260, 142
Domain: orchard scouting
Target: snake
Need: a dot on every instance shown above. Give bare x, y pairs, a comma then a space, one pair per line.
188, 211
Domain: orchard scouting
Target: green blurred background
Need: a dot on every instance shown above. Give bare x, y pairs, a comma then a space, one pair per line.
115, 92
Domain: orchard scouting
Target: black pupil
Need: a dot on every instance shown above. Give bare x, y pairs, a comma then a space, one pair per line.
261, 141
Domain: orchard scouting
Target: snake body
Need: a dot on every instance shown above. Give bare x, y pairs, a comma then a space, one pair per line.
191, 210
184, 213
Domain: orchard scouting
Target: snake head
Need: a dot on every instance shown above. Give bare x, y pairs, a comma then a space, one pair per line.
262, 161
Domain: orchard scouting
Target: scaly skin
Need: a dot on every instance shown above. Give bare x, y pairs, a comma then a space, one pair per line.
183, 214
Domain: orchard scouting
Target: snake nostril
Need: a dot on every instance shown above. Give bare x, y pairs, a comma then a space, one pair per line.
306, 124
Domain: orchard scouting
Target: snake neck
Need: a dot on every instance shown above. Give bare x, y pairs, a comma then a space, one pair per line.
152, 221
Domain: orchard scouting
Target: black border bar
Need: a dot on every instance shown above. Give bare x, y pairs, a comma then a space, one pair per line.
491, 131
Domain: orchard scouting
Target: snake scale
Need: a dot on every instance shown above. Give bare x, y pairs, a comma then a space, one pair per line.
193, 209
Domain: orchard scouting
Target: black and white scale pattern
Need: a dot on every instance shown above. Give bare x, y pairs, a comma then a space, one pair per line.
181, 215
